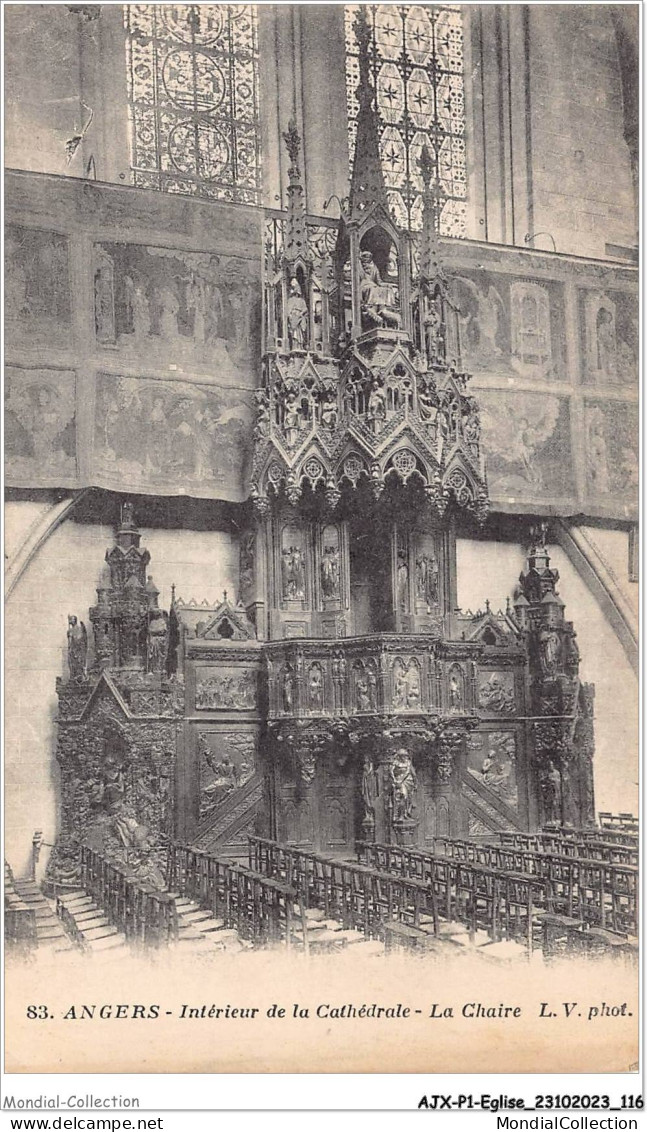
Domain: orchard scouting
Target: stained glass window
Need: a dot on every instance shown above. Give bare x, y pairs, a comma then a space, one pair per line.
417, 62
193, 99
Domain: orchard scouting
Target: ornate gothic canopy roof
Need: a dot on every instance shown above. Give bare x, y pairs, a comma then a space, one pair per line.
362, 373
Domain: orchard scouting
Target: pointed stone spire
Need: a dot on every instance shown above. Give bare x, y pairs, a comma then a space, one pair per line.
296, 235
367, 183
430, 262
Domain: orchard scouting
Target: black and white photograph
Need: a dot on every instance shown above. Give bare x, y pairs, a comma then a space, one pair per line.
321, 530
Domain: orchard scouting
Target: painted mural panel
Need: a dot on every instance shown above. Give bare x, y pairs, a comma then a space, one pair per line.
164, 302
40, 426
491, 758
527, 444
171, 437
611, 451
37, 285
511, 325
609, 328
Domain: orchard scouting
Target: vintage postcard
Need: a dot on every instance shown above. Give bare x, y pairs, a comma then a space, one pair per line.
321, 539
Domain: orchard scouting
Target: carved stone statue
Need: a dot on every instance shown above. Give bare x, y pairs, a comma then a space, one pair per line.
549, 650
370, 791
293, 573
330, 571
402, 584
404, 783
376, 403
427, 578
434, 332
77, 647
551, 790
315, 688
456, 703
297, 317
157, 639
288, 691
376, 308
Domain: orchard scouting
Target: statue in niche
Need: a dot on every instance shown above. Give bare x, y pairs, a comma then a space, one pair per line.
606, 349
399, 685
413, 685
376, 404
77, 647
315, 688
427, 578
551, 792
288, 691
403, 783
169, 307
434, 330
472, 428
375, 300
329, 409
157, 639
402, 583
549, 651
428, 405
330, 572
366, 689
293, 574
297, 316
456, 697
370, 790
292, 417
137, 306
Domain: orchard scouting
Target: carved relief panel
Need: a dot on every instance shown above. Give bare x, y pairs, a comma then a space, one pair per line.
496, 695
225, 688
492, 761
226, 762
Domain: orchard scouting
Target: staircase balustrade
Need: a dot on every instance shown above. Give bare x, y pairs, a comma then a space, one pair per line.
260, 909
144, 914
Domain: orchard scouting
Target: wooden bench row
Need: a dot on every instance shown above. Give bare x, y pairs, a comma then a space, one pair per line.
589, 845
596, 892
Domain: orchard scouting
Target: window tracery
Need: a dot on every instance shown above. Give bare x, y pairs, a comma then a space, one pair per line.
417, 61
193, 99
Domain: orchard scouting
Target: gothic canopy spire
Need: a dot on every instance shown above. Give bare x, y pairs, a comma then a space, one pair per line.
430, 262
367, 183
296, 236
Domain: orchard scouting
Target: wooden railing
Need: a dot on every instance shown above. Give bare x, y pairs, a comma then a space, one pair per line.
356, 896
19, 919
144, 914
260, 909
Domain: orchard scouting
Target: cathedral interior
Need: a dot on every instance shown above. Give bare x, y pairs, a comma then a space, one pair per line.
321, 452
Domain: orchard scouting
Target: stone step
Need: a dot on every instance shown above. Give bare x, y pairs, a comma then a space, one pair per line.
107, 943
92, 922
105, 929
194, 917
211, 925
